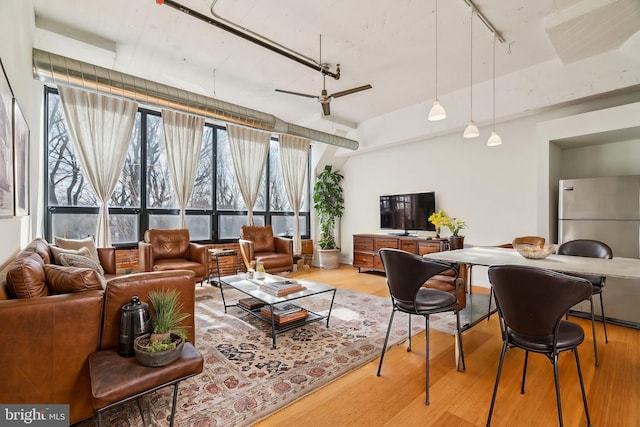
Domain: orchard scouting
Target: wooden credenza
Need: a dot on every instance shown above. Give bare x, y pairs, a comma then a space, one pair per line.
366, 247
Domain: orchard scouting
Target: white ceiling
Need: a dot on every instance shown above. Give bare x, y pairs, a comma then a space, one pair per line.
390, 45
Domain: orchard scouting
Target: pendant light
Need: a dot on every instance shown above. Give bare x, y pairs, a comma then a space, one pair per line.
494, 139
437, 111
472, 130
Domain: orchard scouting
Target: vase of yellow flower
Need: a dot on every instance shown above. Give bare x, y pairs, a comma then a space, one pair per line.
440, 218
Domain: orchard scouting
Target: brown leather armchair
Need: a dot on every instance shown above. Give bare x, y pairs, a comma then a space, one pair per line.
258, 244
164, 250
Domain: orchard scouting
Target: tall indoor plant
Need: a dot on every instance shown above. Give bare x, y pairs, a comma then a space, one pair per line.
328, 203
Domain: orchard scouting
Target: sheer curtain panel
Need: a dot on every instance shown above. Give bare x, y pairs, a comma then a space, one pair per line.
294, 153
249, 150
100, 129
183, 139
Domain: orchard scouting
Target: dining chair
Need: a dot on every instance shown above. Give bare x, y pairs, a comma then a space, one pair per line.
531, 305
591, 249
530, 240
406, 275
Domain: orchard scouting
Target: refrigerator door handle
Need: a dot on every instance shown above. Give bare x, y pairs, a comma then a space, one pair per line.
568, 188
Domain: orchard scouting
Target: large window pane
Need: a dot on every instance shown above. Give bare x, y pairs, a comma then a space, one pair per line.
229, 225
73, 226
126, 194
164, 221
283, 225
278, 199
160, 192
202, 197
228, 191
66, 183
199, 226
123, 228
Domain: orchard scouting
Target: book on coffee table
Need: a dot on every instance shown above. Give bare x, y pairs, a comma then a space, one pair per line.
285, 313
250, 303
281, 287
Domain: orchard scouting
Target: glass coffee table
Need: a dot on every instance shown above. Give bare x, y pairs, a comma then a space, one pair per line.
252, 288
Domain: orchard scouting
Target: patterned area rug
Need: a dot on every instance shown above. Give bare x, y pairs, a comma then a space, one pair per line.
244, 379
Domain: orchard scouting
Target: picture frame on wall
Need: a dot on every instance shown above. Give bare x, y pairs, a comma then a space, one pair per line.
21, 135
6, 147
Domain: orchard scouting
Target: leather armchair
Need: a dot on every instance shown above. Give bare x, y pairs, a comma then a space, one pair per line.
258, 244
164, 250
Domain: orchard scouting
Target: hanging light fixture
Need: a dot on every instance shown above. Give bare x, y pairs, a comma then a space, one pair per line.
472, 130
494, 139
437, 111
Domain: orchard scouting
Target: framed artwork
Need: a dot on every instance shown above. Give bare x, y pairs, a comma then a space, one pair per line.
6, 147
21, 163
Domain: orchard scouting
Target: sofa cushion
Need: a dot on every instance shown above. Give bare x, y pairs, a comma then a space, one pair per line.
38, 246
77, 244
65, 280
56, 252
26, 277
72, 260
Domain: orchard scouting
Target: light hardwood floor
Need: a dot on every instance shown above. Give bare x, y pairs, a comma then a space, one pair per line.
462, 398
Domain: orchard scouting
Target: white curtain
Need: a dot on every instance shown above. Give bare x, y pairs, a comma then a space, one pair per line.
249, 151
294, 153
100, 128
183, 139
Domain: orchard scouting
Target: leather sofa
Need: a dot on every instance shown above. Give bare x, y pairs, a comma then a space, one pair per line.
164, 250
258, 244
447, 282
47, 339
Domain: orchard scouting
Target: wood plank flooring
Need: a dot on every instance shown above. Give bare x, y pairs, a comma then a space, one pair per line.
462, 399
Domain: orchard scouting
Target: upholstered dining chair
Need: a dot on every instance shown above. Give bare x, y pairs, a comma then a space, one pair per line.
592, 249
526, 240
406, 275
531, 305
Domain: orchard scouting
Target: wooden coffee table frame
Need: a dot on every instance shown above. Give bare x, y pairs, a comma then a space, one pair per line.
252, 289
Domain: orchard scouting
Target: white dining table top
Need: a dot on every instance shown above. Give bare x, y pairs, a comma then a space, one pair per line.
627, 268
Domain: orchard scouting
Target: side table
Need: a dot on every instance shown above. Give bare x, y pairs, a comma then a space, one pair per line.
214, 273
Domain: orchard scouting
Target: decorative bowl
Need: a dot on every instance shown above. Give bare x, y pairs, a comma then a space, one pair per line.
534, 251
159, 358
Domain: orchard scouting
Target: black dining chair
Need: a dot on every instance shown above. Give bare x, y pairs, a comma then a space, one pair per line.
406, 275
591, 249
531, 305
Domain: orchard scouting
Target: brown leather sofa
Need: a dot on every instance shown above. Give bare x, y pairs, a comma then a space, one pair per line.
258, 244
447, 282
47, 340
164, 250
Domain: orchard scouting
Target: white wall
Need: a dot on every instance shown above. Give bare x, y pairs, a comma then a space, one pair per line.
16, 29
619, 158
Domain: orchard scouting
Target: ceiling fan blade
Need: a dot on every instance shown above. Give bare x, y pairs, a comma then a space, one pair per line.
326, 109
350, 91
296, 93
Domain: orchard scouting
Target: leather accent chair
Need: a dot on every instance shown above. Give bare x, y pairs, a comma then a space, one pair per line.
258, 244
164, 250
449, 281
591, 249
406, 274
531, 305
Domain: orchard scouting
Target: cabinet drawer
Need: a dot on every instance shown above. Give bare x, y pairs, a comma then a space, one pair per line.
377, 264
363, 260
408, 246
386, 243
428, 247
363, 243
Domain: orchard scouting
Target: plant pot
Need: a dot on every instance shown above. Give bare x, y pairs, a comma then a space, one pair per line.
456, 242
158, 358
329, 258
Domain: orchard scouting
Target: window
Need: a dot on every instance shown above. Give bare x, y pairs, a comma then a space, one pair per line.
146, 200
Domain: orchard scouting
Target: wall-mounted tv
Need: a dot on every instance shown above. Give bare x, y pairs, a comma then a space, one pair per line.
407, 212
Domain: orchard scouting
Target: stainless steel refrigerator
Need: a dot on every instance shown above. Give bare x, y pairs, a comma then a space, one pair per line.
606, 209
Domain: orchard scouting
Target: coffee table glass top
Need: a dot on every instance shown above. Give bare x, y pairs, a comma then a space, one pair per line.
252, 287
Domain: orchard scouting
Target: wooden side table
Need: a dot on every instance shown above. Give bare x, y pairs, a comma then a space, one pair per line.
214, 273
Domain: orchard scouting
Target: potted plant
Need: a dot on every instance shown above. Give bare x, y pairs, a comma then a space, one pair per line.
328, 203
164, 344
440, 218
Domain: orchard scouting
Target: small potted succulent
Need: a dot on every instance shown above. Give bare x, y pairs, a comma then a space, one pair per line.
164, 344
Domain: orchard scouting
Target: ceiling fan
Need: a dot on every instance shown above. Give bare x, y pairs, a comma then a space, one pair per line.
324, 98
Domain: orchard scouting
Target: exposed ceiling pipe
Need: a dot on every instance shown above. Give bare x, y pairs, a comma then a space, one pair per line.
59, 70
253, 37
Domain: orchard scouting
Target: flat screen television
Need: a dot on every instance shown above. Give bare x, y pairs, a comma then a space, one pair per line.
408, 212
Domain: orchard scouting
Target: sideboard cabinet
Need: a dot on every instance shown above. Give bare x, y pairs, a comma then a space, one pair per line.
366, 247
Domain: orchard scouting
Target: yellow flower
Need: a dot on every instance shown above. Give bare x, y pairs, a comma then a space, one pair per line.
440, 218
